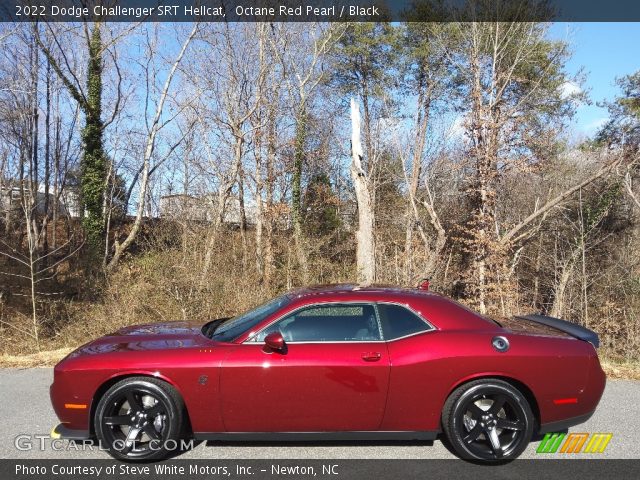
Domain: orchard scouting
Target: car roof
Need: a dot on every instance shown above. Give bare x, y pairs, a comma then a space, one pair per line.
344, 287
354, 290
439, 310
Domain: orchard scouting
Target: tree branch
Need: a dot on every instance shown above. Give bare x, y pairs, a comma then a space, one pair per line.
510, 236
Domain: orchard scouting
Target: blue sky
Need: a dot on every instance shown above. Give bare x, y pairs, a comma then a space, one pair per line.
605, 51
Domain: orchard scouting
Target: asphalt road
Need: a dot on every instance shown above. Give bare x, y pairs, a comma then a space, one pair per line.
25, 409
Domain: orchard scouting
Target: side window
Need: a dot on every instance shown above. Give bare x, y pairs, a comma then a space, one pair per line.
328, 323
399, 321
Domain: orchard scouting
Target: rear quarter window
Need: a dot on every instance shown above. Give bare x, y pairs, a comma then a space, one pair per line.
398, 321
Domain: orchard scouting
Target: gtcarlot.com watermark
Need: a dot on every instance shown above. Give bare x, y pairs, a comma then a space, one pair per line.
28, 442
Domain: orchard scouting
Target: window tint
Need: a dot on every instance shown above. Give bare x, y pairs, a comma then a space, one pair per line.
236, 326
328, 323
399, 322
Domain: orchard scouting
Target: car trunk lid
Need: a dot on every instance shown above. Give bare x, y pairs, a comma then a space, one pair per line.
544, 325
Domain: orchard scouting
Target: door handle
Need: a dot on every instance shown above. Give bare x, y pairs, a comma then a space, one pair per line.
371, 356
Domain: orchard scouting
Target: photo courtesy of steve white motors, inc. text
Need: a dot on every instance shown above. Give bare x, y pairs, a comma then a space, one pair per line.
190, 469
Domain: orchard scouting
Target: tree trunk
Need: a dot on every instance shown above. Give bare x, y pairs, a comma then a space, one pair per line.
558, 307
365, 245
47, 166
259, 257
481, 190
243, 217
32, 240
223, 195
296, 193
35, 140
108, 209
94, 172
271, 159
422, 122
56, 183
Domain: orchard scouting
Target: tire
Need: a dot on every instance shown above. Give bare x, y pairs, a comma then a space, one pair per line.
140, 419
488, 421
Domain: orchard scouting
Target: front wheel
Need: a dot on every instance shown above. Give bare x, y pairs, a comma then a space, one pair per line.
139, 419
488, 421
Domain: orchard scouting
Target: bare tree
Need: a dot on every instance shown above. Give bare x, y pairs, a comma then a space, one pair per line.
430, 79
237, 90
586, 228
38, 266
157, 124
302, 64
365, 246
628, 182
264, 124
94, 165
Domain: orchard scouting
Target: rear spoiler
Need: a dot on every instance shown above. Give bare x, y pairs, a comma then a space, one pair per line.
571, 328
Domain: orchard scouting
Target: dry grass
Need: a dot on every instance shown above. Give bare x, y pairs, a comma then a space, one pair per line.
626, 371
40, 359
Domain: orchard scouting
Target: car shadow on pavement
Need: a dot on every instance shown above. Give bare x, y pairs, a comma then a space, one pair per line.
327, 443
183, 448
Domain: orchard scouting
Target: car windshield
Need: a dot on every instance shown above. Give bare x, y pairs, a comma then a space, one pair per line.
236, 326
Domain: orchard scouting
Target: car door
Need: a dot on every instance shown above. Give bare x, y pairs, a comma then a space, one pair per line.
332, 376
412, 403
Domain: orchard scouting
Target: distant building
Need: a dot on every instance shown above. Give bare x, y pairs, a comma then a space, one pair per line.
10, 201
185, 207
70, 201
203, 208
9, 198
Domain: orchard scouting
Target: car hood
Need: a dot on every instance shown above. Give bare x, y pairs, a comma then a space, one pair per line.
154, 336
154, 329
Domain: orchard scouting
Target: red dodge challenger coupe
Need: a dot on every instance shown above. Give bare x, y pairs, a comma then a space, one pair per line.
331, 363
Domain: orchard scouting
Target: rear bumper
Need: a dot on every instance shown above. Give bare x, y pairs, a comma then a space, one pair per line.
60, 431
560, 425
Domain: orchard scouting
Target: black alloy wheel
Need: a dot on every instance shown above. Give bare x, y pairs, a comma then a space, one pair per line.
488, 421
139, 419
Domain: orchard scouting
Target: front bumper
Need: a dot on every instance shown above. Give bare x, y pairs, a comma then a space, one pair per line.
71, 389
60, 431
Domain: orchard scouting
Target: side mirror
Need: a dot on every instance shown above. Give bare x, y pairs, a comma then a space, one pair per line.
275, 341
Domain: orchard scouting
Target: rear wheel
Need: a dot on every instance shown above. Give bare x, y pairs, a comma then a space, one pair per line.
488, 420
139, 419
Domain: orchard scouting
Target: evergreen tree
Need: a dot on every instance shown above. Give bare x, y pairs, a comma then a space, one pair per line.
365, 60
623, 127
320, 207
93, 169
94, 164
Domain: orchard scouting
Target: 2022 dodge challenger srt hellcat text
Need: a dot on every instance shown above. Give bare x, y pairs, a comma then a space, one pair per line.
333, 362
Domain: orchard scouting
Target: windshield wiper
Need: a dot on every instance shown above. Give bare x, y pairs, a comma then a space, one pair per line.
210, 328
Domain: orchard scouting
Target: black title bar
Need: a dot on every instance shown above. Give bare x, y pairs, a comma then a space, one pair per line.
307, 469
319, 10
